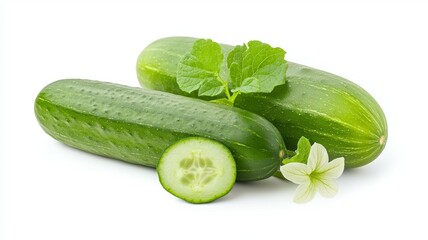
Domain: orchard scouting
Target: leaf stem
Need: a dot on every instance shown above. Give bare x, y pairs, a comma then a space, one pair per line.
226, 89
230, 98
233, 97
226, 86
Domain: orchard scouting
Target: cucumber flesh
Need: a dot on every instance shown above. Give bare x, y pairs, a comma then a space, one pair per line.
197, 170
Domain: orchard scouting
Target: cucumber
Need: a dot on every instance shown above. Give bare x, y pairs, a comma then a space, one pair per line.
137, 125
323, 107
197, 170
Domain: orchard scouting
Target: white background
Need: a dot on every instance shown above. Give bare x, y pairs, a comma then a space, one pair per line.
50, 191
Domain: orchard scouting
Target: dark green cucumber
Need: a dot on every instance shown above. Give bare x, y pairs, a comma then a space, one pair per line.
137, 125
323, 107
197, 170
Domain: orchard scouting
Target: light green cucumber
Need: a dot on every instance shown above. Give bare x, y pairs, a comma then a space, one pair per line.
137, 125
321, 106
197, 170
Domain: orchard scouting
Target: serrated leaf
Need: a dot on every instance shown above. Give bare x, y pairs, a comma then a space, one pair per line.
200, 68
259, 61
211, 88
249, 85
234, 64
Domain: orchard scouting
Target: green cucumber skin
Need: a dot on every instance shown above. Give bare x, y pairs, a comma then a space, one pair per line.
137, 125
323, 107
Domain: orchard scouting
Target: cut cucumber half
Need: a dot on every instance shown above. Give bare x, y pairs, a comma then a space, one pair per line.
197, 170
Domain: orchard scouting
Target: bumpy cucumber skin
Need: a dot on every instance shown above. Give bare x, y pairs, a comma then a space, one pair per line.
170, 189
323, 107
137, 125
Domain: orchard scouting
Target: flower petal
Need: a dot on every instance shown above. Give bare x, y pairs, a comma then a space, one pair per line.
333, 169
296, 172
317, 157
305, 193
327, 187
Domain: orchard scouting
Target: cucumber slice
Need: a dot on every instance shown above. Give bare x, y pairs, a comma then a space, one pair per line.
197, 170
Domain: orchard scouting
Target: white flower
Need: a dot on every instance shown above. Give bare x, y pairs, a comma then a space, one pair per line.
317, 175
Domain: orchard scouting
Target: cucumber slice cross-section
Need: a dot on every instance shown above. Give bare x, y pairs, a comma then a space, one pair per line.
197, 170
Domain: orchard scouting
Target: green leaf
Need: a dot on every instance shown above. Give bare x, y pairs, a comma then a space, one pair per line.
211, 88
302, 152
249, 85
234, 63
200, 69
256, 68
222, 101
